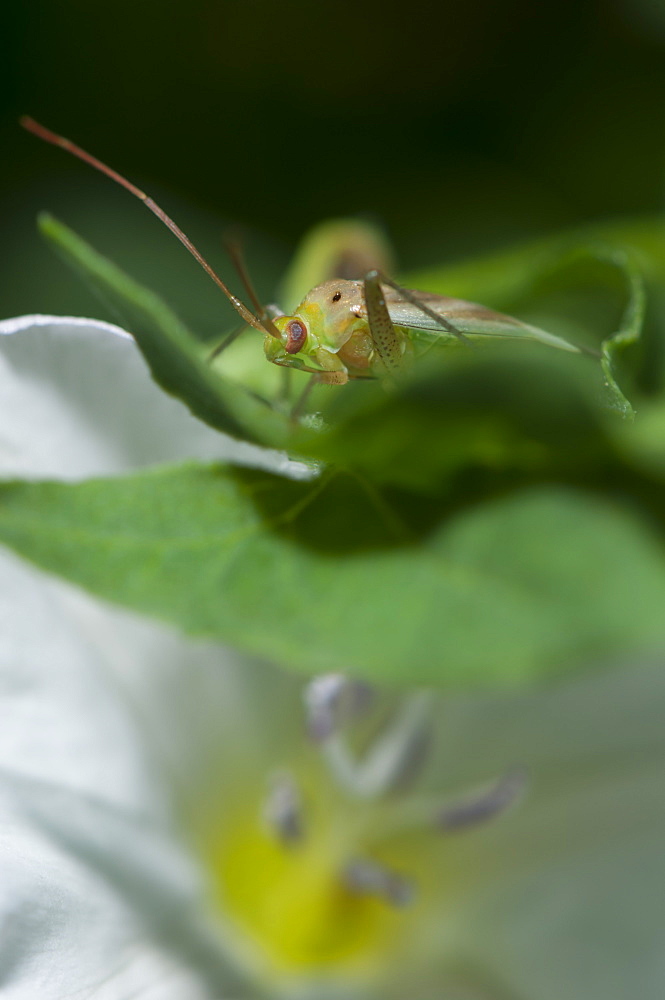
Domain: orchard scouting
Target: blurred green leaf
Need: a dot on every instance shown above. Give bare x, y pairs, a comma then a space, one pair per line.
331, 575
505, 410
508, 277
176, 358
582, 286
617, 345
643, 442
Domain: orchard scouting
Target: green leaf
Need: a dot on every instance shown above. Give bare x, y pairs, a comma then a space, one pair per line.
617, 344
176, 358
643, 442
579, 286
506, 410
331, 575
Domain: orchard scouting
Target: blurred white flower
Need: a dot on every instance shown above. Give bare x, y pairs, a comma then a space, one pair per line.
169, 828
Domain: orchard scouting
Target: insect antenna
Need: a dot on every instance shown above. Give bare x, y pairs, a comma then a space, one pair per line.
57, 140
234, 248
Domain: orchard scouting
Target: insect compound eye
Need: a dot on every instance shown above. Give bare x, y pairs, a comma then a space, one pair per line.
337, 296
296, 335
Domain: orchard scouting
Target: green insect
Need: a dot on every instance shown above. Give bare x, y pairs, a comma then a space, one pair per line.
345, 329
373, 328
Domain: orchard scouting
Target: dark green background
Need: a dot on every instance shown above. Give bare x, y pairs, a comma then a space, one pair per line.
461, 126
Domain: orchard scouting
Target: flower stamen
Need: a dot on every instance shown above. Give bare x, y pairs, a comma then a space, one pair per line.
367, 878
283, 809
484, 805
331, 701
392, 760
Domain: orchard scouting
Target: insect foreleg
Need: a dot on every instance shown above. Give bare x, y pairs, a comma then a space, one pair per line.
269, 312
299, 405
413, 299
382, 331
228, 340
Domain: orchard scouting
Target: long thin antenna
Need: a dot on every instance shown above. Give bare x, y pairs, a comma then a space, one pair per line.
57, 140
233, 247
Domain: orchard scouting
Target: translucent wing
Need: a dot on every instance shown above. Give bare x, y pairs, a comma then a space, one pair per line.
469, 318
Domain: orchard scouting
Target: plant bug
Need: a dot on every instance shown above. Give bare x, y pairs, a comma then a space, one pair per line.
343, 329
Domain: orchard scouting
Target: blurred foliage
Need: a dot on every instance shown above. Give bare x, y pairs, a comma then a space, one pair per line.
461, 126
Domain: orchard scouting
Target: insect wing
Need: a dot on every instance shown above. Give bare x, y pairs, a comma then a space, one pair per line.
471, 319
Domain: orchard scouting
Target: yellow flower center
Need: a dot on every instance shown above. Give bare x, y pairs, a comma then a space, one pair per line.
297, 914
328, 887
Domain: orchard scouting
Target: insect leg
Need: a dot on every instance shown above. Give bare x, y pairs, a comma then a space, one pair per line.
299, 404
217, 350
333, 378
269, 312
381, 329
410, 297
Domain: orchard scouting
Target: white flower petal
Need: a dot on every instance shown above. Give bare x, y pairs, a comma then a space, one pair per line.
77, 400
81, 915
560, 897
52, 682
97, 898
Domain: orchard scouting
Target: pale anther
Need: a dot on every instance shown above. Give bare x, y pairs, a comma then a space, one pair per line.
368, 878
331, 700
283, 809
485, 805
